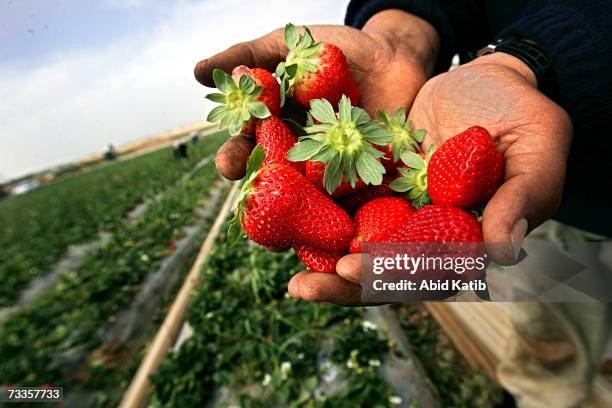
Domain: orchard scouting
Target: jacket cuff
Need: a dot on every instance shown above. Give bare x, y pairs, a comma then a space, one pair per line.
359, 11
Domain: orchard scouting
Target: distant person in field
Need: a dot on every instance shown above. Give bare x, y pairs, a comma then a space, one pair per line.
179, 149
544, 91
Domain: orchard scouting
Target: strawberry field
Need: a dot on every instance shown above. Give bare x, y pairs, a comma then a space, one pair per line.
37, 228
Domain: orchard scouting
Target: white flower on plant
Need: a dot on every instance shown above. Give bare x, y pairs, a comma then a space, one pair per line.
267, 380
352, 364
285, 369
209, 315
374, 363
368, 325
395, 400
300, 356
144, 258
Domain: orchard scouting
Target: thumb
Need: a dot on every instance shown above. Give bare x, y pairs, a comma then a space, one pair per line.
265, 52
519, 205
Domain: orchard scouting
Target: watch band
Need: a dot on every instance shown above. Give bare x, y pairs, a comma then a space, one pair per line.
532, 55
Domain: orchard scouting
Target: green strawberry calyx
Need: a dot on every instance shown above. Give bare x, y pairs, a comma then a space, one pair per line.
302, 58
404, 137
238, 102
413, 179
343, 141
254, 163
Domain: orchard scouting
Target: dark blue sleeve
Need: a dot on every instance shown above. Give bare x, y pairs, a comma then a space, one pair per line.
577, 37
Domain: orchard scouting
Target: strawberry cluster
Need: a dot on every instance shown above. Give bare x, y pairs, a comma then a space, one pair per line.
325, 177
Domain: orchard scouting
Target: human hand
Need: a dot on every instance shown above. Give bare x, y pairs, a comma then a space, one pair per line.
389, 59
498, 92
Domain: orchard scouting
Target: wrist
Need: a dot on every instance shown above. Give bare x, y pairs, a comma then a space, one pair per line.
408, 35
509, 61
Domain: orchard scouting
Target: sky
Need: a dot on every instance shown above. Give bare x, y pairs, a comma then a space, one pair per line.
78, 75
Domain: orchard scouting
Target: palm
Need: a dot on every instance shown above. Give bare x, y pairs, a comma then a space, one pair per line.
528, 128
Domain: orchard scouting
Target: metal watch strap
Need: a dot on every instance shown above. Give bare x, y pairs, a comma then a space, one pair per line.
532, 55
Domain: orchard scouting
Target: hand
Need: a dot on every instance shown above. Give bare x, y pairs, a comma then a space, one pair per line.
390, 59
499, 92
534, 134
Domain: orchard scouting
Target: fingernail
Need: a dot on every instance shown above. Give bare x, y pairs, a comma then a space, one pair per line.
518, 236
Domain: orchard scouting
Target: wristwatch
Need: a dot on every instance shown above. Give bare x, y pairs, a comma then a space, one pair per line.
532, 55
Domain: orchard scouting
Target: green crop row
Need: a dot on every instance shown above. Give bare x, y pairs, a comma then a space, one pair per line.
38, 344
265, 347
37, 228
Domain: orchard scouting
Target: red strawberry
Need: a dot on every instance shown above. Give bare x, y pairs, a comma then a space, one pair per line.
279, 208
439, 223
378, 220
277, 139
344, 142
315, 172
404, 138
356, 200
319, 260
246, 96
441, 232
314, 70
464, 172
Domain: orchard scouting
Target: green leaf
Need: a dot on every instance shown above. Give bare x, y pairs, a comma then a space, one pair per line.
291, 70
419, 135
374, 152
401, 185
376, 134
411, 159
321, 128
359, 116
234, 232
280, 69
216, 114
295, 127
256, 92
399, 116
312, 50
307, 39
229, 118
284, 88
304, 150
255, 161
350, 172
222, 81
291, 36
382, 116
246, 84
322, 110
216, 97
259, 110
370, 170
235, 128
344, 110
324, 155
333, 174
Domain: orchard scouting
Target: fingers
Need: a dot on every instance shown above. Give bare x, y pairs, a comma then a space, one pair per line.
232, 156
265, 52
349, 267
324, 287
520, 204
